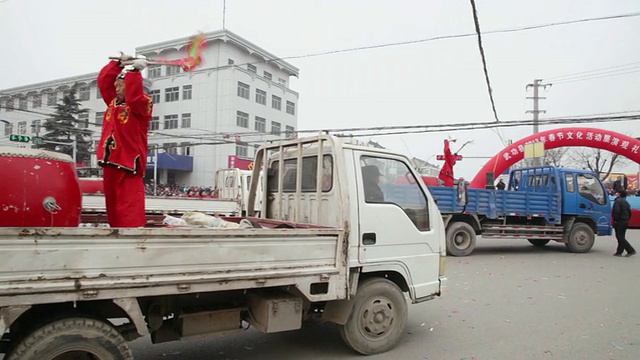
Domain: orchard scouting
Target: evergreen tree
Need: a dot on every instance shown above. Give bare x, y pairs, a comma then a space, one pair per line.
63, 127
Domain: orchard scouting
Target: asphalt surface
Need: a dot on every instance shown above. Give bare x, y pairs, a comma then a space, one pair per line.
508, 300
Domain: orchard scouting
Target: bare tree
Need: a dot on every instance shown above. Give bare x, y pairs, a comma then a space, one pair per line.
556, 157
599, 161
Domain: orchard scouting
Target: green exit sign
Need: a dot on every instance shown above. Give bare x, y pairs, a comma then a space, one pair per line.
19, 138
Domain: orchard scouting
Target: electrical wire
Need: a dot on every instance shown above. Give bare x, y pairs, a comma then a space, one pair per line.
596, 77
554, 78
484, 60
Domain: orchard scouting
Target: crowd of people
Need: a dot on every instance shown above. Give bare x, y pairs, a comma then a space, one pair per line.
175, 190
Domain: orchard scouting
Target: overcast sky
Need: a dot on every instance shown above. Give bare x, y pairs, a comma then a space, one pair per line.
424, 83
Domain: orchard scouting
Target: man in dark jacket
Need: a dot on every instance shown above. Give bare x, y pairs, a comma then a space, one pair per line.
621, 216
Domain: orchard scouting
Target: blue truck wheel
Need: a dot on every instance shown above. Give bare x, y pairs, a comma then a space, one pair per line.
581, 238
539, 242
461, 239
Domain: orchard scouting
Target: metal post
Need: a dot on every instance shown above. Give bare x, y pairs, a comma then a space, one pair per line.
155, 170
537, 83
75, 151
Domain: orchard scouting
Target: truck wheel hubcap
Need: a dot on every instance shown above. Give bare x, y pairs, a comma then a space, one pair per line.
377, 317
462, 239
580, 238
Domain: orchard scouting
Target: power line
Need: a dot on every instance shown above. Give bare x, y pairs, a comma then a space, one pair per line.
594, 70
597, 77
484, 60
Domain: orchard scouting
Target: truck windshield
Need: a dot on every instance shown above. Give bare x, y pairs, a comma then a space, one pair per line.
390, 181
591, 189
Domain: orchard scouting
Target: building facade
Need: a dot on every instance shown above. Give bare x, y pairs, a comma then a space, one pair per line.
204, 119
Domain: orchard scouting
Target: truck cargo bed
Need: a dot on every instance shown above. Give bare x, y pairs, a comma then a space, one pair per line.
495, 204
42, 265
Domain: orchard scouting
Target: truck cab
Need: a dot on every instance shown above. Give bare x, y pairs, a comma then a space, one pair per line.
234, 184
388, 232
583, 195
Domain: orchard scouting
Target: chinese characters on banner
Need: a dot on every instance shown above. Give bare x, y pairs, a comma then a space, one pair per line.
595, 138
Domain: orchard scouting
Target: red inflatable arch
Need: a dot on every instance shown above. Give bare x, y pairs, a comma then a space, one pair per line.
594, 138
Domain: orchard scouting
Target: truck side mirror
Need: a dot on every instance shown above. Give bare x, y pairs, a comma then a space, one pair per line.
462, 188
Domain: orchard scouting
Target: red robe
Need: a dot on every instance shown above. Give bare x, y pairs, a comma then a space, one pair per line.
446, 173
123, 143
122, 151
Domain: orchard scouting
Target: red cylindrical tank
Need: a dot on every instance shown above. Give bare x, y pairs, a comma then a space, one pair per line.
39, 189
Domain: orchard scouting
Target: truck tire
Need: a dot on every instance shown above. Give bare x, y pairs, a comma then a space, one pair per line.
73, 339
539, 242
461, 239
377, 319
581, 238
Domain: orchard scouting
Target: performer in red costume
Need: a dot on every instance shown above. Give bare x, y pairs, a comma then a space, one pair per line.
122, 151
446, 173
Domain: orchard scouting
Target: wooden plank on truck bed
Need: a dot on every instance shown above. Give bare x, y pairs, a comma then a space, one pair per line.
69, 264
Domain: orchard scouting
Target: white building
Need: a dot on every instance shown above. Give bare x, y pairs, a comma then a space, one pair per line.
237, 99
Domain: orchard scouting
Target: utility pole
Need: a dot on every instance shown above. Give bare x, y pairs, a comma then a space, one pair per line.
537, 84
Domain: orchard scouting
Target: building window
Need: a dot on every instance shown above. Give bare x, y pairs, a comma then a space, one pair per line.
8, 129
83, 121
170, 148
35, 127
155, 96
230, 62
261, 124
172, 70
170, 122
98, 93
282, 81
51, 99
242, 149
291, 108
290, 132
275, 128
186, 149
242, 119
243, 90
186, 120
261, 97
84, 93
154, 71
267, 75
276, 102
172, 94
186, 92
99, 117
9, 105
252, 68
37, 101
22, 127
22, 103
155, 123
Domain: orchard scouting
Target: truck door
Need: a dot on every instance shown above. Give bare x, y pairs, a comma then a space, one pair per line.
397, 224
593, 201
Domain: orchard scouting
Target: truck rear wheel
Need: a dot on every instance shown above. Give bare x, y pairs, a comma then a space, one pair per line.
539, 242
377, 319
73, 339
581, 238
461, 239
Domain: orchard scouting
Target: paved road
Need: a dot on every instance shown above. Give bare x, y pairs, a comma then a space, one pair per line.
509, 300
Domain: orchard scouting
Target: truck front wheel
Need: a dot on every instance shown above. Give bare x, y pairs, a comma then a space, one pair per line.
377, 319
73, 339
581, 238
461, 239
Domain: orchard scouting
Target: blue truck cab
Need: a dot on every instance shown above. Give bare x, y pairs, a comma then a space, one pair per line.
540, 204
581, 192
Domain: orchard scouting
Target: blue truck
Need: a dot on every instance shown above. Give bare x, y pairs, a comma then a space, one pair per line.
540, 204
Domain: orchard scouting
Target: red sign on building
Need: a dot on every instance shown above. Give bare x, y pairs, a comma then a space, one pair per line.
236, 162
